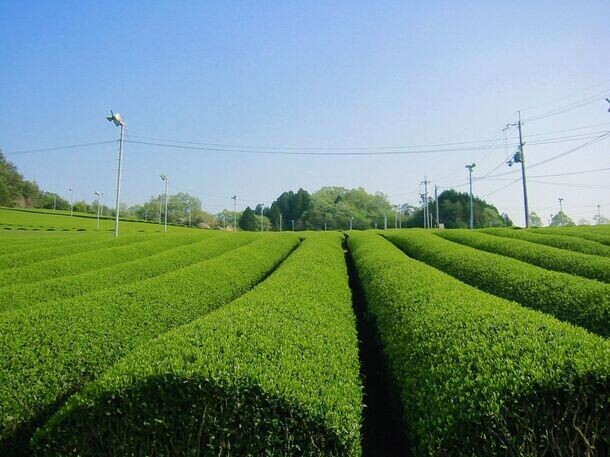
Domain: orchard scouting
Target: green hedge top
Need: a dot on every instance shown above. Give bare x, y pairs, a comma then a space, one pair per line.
49, 351
479, 375
570, 298
120, 274
570, 243
550, 258
275, 372
92, 260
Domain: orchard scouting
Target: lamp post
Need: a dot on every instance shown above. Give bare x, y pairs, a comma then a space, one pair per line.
97, 194
234, 197
71, 201
164, 178
470, 167
118, 121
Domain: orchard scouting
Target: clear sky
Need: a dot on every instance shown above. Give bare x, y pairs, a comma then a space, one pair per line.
344, 74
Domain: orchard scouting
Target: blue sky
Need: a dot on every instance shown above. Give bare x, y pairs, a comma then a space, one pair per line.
307, 74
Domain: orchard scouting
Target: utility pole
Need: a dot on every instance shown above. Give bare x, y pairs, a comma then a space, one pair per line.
395, 216
599, 214
423, 205
425, 182
385, 221
470, 167
98, 209
160, 208
234, 197
351, 219
118, 121
71, 201
519, 157
561, 210
280, 222
164, 178
438, 222
190, 211
54, 201
262, 217
293, 225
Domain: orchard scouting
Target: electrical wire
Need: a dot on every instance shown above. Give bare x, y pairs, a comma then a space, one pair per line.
58, 148
574, 105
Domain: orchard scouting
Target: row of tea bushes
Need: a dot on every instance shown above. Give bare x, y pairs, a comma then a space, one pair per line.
574, 263
276, 372
49, 351
479, 375
569, 298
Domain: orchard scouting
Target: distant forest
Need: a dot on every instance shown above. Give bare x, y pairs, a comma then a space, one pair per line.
330, 208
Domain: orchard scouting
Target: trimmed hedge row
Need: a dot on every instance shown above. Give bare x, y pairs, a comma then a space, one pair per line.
276, 372
569, 243
572, 299
49, 351
479, 375
20, 244
587, 266
21, 258
122, 274
580, 233
87, 261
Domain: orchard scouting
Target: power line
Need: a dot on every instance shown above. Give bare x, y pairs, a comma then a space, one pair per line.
569, 107
58, 148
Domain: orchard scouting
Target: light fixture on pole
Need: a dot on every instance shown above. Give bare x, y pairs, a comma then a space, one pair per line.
117, 120
164, 178
561, 210
71, 201
470, 167
234, 197
97, 194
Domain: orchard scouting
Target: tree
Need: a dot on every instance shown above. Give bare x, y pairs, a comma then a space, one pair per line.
600, 219
247, 220
535, 220
454, 212
583, 221
291, 206
561, 219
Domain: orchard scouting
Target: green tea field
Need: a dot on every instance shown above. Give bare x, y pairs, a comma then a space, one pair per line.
360, 343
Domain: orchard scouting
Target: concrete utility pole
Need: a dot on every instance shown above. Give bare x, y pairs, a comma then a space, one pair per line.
425, 182
164, 178
395, 216
118, 121
71, 200
436, 205
280, 222
385, 221
293, 225
97, 194
519, 157
421, 196
190, 211
262, 229
351, 219
160, 208
470, 167
234, 197
599, 214
54, 201
560, 211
